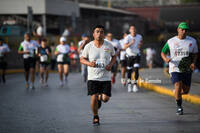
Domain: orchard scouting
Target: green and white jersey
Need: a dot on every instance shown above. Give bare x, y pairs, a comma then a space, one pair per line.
30, 46
133, 50
181, 53
102, 56
63, 50
3, 49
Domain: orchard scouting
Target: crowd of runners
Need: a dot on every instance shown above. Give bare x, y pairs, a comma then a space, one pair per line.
100, 58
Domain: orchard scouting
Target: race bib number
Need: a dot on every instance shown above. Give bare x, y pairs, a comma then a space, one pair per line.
180, 53
60, 58
100, 63
44, 58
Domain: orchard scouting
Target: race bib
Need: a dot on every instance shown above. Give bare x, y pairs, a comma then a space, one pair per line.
180, 53
44, 58
60, 58
101, 63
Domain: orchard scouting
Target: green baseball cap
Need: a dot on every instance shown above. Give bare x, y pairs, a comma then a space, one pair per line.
183, 25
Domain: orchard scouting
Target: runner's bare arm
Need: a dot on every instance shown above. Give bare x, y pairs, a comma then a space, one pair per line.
84, 61
23, 52
164, 57
81, 47
109, 66
128, 44
192, 66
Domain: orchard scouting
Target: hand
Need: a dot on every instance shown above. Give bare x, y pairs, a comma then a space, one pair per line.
167, 60
108, 67
93, 63
26, 52
192, 66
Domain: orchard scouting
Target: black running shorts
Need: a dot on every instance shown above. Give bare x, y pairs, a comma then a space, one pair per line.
123, 63
29, 63
99, 87
3, 65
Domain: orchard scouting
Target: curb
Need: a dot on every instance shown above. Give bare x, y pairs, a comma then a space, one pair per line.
162, 90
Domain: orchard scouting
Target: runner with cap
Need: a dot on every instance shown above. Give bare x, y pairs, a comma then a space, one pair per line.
63, 60
183, 55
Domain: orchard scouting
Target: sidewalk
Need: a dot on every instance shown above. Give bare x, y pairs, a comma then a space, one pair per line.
157, 80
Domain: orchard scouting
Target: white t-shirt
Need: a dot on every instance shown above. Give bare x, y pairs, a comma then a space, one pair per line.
133, 50
115, 43
178, 50
3, 48
122, 53
31, 46
63, 50
102, 56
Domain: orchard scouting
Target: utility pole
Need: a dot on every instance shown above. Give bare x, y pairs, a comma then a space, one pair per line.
29, 19
109, 4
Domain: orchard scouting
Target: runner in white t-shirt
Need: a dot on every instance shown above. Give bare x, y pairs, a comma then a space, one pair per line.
183, 55
28, 49
4, 50
81, 44
132, 45
117, 47
99, 56
123, 61
149, 52
63, 60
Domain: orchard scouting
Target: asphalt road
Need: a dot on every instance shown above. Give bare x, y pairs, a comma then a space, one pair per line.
67, 110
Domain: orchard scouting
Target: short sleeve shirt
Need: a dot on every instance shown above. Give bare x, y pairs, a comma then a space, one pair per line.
31, 46
179, 49
102, 56
133, 50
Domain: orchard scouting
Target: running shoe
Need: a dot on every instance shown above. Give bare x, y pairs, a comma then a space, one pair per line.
41, 81
179, 111
45, 85
129, 87
61, 84
123, 81
32, 87
27, 85
135, 88
96, 120
65, 80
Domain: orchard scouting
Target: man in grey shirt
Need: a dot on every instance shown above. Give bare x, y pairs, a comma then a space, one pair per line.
99, 56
